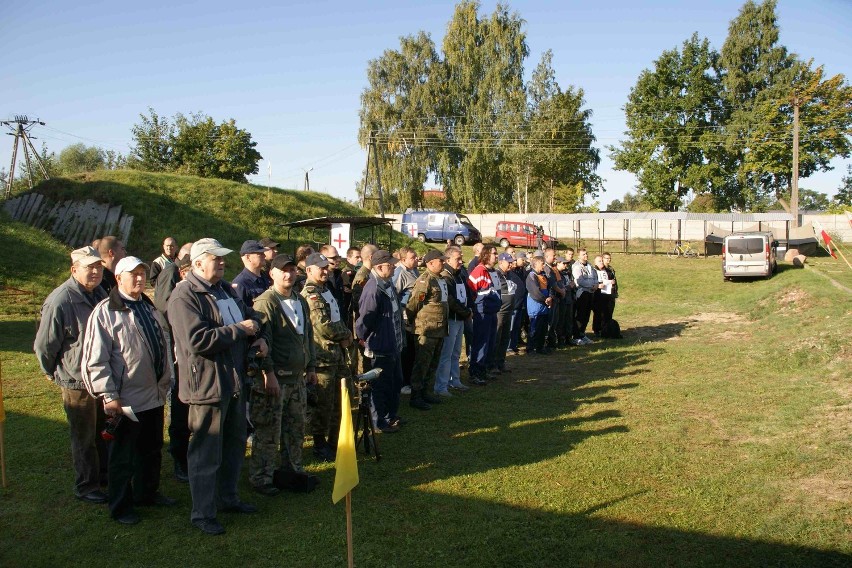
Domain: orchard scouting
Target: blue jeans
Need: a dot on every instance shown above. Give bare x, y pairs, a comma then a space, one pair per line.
448, 366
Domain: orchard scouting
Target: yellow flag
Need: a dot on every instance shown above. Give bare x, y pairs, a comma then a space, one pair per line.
2, 410
346, 463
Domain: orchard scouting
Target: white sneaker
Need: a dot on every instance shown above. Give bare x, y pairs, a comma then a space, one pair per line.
587, 340
405, 390
577, 342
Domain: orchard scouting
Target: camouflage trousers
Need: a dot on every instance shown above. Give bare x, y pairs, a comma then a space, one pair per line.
324, 418
279, 421
427, 355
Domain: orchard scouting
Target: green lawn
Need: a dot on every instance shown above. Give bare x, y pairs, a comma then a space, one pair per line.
716, 433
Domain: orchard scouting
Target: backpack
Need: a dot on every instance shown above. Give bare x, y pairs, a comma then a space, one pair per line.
294, 481
611, 330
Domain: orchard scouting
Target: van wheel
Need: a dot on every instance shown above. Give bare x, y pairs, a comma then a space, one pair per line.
459, 240
504, 243
421, 237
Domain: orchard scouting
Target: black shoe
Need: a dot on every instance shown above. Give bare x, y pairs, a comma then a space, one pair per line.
128, 518
430, 398
96, 497
478, 381
180, 473
209, 526
419, 404
324, 453
389, 429
158, 500
267, 489
398, 421
240, 507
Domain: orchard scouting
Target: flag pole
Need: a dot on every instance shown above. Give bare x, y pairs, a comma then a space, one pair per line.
349, 550
843, 256
3, 452
2, 430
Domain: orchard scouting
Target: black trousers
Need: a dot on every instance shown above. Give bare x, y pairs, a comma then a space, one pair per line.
178, 427
584, 311
134, 461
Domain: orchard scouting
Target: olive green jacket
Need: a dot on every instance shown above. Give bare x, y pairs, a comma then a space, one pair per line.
290, 354
427, 307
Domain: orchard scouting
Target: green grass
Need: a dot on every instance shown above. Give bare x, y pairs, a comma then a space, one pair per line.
716, 433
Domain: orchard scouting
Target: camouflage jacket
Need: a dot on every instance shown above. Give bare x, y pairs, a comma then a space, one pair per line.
427, 307
328, 324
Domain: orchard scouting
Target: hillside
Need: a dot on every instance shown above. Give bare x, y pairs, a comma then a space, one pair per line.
189, 208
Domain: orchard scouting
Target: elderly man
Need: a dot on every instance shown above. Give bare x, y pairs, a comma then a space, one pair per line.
168, 257
331, 339
252, 281
404, 276
279, 400
127, 363
363, 273
111, 251
379, 330
428, 309
448, 374
477, 252
212, 330
59, 348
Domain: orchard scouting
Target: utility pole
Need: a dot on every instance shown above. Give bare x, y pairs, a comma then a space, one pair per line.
21, 132
794, 191
307, 179
371, 147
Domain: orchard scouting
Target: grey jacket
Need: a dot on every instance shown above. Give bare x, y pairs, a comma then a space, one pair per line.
117, 360
59, 341
210, 355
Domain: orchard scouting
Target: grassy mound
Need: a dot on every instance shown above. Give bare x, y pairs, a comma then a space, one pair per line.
189, 208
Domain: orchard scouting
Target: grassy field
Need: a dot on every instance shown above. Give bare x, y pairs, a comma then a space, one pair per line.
716, 433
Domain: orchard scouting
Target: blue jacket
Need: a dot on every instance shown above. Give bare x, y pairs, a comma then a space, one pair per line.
537, 293
375, 323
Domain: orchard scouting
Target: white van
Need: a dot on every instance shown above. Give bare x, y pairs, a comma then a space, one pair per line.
749, 255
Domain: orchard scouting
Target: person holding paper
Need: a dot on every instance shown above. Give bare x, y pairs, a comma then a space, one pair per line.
600, 301
213, 329
127, 364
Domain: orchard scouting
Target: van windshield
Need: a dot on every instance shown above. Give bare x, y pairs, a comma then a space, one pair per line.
464, 220
751, 245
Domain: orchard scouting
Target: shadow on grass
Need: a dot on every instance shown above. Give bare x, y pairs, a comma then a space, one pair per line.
650, 333
17, 335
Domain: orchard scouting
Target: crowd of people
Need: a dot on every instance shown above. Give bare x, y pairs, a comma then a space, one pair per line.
258, 360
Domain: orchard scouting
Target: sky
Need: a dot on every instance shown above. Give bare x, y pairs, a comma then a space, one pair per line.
291, 73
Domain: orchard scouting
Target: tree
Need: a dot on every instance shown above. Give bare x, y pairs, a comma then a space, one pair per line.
194, 145
844, 192
152, 139
484, 102
79, 158
673, 113
399, 109
757, 73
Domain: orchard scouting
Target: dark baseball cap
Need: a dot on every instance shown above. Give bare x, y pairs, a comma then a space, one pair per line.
316, 259
383, 257
521, 255
250, 247
431, 255
506, 256
282, 260
266, 242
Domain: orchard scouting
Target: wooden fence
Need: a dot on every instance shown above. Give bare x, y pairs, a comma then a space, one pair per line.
75, 223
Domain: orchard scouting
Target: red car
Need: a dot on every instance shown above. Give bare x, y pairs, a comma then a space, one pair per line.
520, 235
